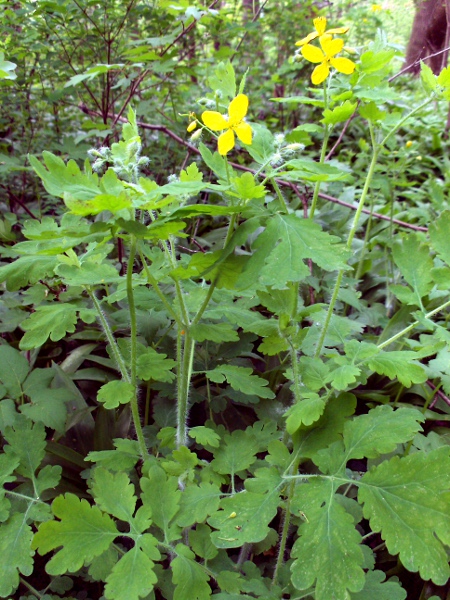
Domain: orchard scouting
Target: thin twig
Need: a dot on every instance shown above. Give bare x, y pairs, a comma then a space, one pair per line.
438, 394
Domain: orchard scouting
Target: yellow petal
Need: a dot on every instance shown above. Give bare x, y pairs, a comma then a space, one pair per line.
338, 30
244, 132
320, 73
309, 38
330, 46
214, 120
225, 143
238, 108
320, 24
343, 65
313, 54
191, 126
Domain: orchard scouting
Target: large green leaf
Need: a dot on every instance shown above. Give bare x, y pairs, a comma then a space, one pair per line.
14, 368
15, 540
380, 431
241, 379
414, 261
190, 579
376, 588
51, 321
398, 364
27, 269
439, 237
83, 531
197, 503
132, 577
406, 499
280, 251
236, 453
328, 551
161, 493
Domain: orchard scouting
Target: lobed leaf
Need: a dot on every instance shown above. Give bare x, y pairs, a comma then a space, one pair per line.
83, 531
406, 499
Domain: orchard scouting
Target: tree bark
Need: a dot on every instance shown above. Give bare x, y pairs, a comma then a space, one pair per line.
429, 36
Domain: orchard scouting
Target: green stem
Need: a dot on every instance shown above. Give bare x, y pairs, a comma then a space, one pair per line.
281, 200
110, 337
183, 391
405, 118
286, 524
31, 588
322, 154
411, 327
133, 353
153, 282
351, 235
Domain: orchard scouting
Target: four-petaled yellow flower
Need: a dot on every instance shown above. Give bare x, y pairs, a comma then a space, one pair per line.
320, 25
233, 124
326, 57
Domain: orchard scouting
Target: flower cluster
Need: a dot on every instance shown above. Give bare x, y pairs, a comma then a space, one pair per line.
325, 56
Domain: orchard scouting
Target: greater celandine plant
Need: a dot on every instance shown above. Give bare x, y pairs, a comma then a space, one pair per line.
190, 509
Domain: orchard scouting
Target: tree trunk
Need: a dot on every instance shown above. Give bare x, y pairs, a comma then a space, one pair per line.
429, 36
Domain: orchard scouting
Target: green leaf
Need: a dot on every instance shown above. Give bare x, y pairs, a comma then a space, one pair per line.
371, 112
309, 170
204, 436
152, 365
215, 332
339, 114
190, 579
132, 577
88, 273
114, 393
373, 61
26, 442
241, 380
439, 237
200, 541
428, 78
15, 541
328, 550
305, 412
380, 431
376, 588
406, 499
48, 405
60, 179
8, 464
52, 321
236, 453
197, 503
114, 494
161, 493
246, 187
27, 269
414, 261
83, 531
243, 518
281, 248
101, 202
223, 82
398, 364
14, 368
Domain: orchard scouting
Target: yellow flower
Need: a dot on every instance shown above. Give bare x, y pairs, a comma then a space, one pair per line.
320, 25
409, 143
326, 57
233, 124
376, 8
